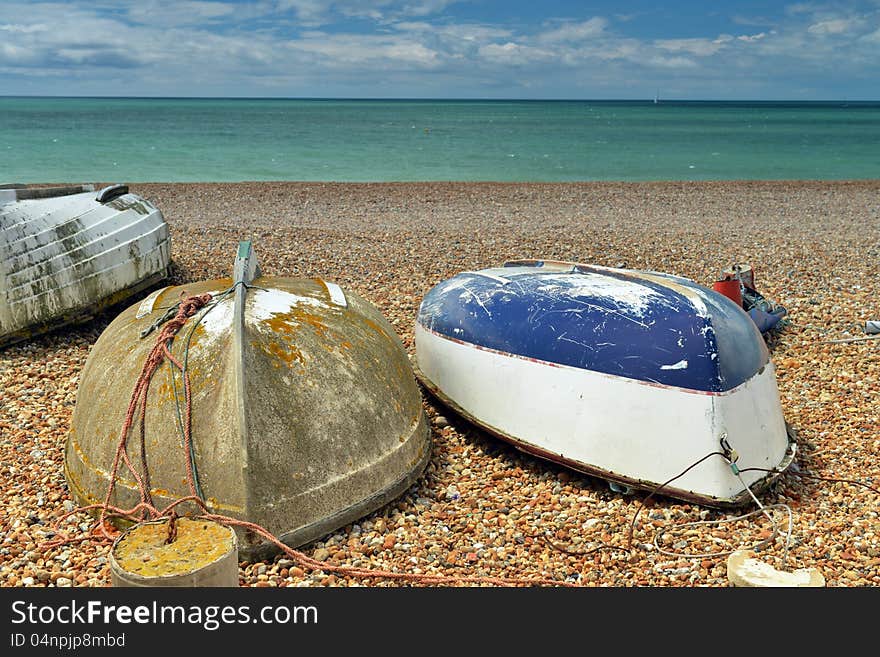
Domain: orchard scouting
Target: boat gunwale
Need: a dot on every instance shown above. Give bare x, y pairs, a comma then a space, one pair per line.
25, 193
548, 363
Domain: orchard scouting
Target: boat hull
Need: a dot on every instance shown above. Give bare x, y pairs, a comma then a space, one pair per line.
633, 431
305, 415
65, 258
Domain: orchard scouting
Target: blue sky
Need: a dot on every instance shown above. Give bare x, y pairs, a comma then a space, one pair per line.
684, 49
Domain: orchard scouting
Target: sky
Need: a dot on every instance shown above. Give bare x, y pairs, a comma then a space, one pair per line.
540, 49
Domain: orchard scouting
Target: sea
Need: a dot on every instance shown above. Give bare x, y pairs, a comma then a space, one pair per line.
129, 140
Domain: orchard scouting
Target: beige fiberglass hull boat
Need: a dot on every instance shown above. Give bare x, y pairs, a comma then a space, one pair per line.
305, 411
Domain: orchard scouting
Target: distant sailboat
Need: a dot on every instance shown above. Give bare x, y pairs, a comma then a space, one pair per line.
657, 97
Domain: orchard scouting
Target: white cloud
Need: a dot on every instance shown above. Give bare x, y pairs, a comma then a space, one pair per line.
81, 44
834, 26
569, 32
13, 28
700, 47
412, 26
478, 33
322, 12
706, 47
513, 54
365, 51
672, 62
12, 54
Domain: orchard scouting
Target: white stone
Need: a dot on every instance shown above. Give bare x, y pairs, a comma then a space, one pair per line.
743, 570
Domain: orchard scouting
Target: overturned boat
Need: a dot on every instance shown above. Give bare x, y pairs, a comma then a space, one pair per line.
305, 414
67, 253
631, 376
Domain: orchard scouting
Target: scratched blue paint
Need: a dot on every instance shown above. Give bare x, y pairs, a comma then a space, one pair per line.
613, 322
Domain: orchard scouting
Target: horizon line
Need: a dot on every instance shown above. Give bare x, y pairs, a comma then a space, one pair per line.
651, 100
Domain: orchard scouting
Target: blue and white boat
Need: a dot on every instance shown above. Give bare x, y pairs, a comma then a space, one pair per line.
632, 376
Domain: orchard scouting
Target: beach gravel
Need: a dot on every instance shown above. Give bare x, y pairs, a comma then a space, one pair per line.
482, 508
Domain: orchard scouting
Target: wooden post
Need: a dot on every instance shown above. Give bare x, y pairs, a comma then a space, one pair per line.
201, 553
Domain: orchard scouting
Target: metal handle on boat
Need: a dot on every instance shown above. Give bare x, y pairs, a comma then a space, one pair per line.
109, 193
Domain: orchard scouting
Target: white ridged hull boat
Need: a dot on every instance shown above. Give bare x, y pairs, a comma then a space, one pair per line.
67, 253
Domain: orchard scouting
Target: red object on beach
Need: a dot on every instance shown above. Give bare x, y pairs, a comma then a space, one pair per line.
731, 289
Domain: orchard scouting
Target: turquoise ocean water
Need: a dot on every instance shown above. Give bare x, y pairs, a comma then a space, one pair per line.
174, 140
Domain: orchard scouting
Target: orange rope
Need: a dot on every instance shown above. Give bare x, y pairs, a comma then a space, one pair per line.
189, 306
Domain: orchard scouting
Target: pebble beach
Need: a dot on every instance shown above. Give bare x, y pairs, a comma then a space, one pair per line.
482, 508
